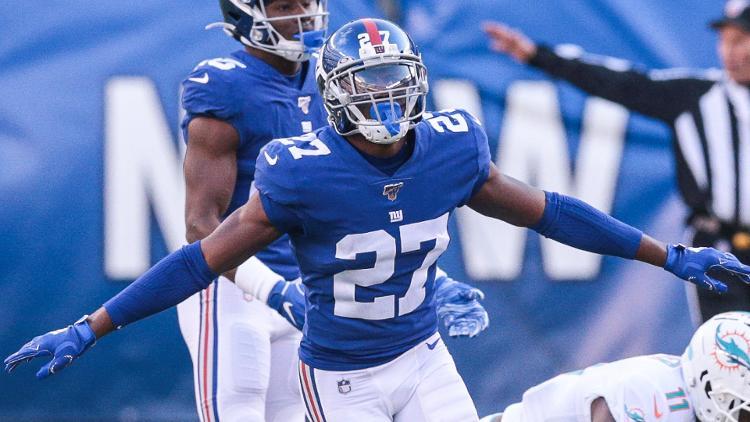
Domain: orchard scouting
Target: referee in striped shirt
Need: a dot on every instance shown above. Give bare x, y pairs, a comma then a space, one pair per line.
710, 121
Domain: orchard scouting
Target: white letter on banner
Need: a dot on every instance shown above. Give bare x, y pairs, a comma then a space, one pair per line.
142, 168
534, 149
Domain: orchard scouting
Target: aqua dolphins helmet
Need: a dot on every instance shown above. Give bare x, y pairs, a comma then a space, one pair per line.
716, 368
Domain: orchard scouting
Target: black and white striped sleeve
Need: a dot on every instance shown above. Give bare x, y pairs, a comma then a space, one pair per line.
660, 94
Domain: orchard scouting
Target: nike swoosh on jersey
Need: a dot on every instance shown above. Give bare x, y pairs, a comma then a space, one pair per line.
288, 309
432, 345
202, 80
271, 160
657, 413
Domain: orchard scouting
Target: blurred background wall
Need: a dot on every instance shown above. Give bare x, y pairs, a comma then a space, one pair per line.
91, 194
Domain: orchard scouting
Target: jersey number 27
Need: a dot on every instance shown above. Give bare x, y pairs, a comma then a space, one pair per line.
384, 245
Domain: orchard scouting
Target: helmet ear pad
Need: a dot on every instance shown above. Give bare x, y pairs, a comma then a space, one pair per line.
243, 26
331, 101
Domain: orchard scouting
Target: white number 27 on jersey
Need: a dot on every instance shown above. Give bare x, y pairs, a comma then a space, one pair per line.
384, 245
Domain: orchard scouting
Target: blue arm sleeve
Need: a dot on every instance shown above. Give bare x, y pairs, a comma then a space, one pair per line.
577, 224
172, 280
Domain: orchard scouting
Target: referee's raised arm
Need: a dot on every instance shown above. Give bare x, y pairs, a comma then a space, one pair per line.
661, 94
709, 116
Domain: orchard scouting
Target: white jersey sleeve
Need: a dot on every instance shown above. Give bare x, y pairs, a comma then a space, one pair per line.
639, 389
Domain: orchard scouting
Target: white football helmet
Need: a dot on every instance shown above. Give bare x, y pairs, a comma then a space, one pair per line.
716, 368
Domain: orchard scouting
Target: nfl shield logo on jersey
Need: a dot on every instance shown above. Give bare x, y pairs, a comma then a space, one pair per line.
391, 191
345, 386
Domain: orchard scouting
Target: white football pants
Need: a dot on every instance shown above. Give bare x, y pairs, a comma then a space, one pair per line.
244, 357
420, 385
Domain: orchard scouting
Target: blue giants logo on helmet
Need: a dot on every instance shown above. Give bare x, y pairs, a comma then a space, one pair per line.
249, 22
374, 41
372, 80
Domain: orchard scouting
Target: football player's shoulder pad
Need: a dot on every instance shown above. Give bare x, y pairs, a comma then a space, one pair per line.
209, 88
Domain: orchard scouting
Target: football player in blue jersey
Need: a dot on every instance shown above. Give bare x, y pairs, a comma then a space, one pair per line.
242, 352
366, 203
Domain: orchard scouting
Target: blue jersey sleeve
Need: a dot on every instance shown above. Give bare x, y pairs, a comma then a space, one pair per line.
207, 91
275, 182
483, 155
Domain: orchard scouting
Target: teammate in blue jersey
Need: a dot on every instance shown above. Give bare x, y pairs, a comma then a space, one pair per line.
366, 202
243, 353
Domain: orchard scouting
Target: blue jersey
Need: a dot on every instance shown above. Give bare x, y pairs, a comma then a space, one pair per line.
367, 242
261, 104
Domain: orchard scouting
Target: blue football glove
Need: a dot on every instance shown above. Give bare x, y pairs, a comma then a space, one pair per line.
288, 299
64, 345
459, 308
704, 266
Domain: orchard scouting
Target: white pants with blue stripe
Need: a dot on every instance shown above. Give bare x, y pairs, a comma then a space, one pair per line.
420, 385
244, 357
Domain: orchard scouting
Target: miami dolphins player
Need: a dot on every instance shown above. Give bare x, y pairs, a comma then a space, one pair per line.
366, 202
242, 351
710, 381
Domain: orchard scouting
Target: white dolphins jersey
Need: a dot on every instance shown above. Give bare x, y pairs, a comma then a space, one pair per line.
643, 388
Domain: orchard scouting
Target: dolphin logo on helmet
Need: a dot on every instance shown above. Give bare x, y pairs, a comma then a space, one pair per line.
716, 368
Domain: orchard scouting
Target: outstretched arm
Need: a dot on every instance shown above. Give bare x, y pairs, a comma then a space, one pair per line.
172, 280
180, 275
183, 273
575, 223
613, 79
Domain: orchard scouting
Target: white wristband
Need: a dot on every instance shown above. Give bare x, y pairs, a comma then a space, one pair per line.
255, 278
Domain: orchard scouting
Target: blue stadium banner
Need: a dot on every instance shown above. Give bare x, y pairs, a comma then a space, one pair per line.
92, 190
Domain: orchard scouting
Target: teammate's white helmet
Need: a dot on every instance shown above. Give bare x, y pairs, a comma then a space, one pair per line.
716, 368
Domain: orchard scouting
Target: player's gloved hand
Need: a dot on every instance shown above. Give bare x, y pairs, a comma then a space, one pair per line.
288, 299
705, 266
459, 308
64, 345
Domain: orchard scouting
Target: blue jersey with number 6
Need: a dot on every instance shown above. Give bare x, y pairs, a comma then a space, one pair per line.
367, 242
261, 104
